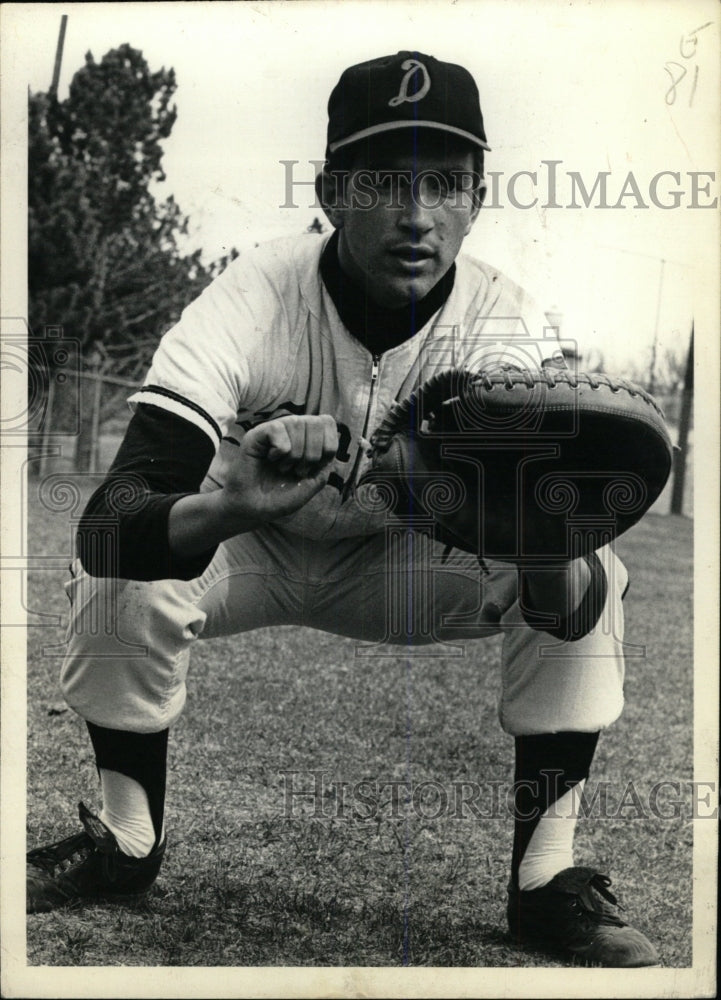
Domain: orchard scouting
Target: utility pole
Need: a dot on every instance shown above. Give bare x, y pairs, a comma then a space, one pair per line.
58, 56
654, 346
679, 470
651, 386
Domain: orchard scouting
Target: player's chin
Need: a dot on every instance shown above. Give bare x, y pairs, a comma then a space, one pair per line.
404, 289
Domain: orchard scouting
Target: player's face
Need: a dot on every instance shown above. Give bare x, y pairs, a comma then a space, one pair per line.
404, 214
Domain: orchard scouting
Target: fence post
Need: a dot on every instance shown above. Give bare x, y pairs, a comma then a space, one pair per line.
47, 423
95, 418
84, 440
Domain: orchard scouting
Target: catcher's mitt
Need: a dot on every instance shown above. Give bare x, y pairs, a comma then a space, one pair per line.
522, 466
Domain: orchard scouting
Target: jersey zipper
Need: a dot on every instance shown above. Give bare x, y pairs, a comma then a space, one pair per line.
375, 369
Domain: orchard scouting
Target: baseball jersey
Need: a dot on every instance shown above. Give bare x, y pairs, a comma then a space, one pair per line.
265, 339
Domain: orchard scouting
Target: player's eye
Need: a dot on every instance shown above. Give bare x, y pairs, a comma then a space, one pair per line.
432, 187
388, 183
457, 180
385, 181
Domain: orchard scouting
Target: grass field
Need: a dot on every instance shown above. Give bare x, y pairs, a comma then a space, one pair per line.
244, 884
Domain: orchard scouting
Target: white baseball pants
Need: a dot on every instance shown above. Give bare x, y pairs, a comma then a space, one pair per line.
129, 642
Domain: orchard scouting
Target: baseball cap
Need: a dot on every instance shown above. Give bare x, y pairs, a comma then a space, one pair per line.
405, 90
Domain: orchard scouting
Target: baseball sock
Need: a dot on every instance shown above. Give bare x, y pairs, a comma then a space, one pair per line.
132, 769
126, 813
551, 771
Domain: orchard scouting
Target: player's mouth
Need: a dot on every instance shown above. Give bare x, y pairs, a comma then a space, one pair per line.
410, 256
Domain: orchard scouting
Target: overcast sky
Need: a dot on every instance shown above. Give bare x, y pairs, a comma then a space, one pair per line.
587, 84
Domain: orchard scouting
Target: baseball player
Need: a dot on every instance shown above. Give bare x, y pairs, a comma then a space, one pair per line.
233, 504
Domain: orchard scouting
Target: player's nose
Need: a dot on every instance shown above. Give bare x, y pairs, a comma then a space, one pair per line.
417, 213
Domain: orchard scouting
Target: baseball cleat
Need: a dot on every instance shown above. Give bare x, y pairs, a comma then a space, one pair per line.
574, 916
87, 865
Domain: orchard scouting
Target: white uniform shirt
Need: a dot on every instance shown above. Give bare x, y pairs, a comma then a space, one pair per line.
265, 340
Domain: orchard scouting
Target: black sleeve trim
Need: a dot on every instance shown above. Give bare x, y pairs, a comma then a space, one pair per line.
586, 616
124, 529
161, 391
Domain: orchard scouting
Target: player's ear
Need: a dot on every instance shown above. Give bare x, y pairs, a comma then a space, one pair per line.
330, 195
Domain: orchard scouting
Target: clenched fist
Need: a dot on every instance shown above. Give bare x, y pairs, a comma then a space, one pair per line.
280, 465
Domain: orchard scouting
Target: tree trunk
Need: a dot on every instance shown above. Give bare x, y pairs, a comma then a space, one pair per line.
679, 472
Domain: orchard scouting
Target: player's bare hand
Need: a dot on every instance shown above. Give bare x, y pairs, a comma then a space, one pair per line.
281, 464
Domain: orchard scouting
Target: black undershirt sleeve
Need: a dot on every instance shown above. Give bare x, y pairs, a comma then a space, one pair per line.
124, 529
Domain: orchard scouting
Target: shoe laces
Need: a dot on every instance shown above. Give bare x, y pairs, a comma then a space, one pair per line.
60, 856
598, 910
64, 854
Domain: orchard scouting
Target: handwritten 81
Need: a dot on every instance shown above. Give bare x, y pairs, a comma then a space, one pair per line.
677, 71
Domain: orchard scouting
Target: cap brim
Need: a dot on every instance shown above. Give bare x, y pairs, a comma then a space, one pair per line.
394, 126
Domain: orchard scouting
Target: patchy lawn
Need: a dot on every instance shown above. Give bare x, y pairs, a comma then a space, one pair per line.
350, 875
